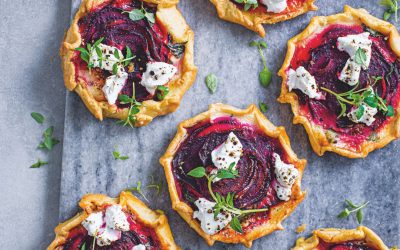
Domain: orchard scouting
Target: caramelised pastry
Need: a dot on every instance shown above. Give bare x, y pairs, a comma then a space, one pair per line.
341, 75
129, 59
361, 238
121, 223
232, 174
252, 14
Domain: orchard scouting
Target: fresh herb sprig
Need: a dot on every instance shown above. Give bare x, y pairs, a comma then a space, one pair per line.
248, 4
265, 76
352, 208
155, 185
392, 7
134, 108
38, 164
137, 189
86, 53
38, 117
124, 61
139, 14
263, 106
117, 155
49, 141
224, 203
361, 57
211, 83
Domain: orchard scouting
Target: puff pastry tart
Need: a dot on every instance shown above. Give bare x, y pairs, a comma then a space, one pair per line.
252, 14
341, 76
361, 238
129, 59
121, 223
232, 175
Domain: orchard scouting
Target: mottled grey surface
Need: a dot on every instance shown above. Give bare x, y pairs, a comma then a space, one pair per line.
221, 48
31, 80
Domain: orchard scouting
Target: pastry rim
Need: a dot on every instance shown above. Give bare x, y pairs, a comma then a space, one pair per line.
173, 21
334, 235
157, 220
317, 135
228, 11
278, 213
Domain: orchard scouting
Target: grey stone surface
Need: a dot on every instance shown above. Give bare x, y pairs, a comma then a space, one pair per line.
31, 80
221, 48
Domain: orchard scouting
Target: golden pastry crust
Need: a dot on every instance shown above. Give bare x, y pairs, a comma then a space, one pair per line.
334, 235
320, 137
170, 17
95, 202
277, 213
254, 19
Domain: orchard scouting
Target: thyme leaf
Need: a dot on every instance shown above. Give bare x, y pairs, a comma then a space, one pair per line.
352, 208
39, 118
265, 76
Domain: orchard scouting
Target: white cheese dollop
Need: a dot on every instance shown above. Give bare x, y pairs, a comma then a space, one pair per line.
367, 117
228, 152
302, 79
116, 218
286, 175
94, 223
108, 57
107, 236
350, 44
113, 86
205, 215
139, 247
157, 73
275, 6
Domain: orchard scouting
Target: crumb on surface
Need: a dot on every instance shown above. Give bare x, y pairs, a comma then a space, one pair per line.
301, 228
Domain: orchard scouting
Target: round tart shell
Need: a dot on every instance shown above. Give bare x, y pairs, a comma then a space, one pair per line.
253, 20
170, 17
277, 213
96, 202
318, 135
333, 235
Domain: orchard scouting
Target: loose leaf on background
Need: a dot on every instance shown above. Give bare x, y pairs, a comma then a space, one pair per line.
39, 118
211, 82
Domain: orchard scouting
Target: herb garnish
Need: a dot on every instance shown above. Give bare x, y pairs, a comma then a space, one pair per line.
39, 118
137, 189
162, 92
38, 164
392, 6
155, 185
224, 203
86, 53
49, 141
83, 247
361, 57
265, 75
248, 4
117, 155
139, 14
263, 106
351, 208
211, 83
133, 109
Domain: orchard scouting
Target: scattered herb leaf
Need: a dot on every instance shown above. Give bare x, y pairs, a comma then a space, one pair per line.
392, 7
265, 76
361, 57
39, 118
139, 14
263, 106
162, 92
211, 82
235, 225
352, 208
137, 189
197, 172
117, 155
48, 141
38, 164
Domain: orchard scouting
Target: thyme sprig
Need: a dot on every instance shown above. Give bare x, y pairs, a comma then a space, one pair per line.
248, 4
352, 208
139, 14
86, 53
224, 203
265, 75
137, 189
392, 7
134, 108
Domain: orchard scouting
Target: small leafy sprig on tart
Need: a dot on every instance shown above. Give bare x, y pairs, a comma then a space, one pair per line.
139, 14
352, 208
133, 109
248, 4
392, 7
265, 75
224, 203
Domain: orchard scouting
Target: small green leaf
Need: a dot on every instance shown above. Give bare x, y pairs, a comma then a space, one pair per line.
83, 247
361, 57
390, 111
39, 118
247, 6
48, 132
116, 53
124, 99
344, 214
360, 112
97, 43
387, 15
136, 15
150, 17
235, 225
343, 111
263, 44
162, 92
211, 82
253, 44
198, 172
265, 77
263, 106
359, 216
371, 101
225, 174
115, 69
38, 164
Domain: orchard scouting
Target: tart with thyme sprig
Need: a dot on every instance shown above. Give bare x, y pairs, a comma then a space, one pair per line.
341, 76
252, 14
129, 59
232, 175
361, 238
121, 223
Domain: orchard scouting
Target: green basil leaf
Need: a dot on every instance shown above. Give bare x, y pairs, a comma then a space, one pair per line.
225, 174
198, 172
211, 82
263, 44
263, 106
39, 118
265, 77
98, 42
235, 225
116, 53
83, 247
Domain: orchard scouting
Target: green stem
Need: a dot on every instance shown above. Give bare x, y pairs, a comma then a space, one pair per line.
262, 56
359, 208
338, 96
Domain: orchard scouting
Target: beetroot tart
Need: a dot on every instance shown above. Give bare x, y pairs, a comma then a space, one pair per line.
121, 223
252, 14
129, 59
361, 238
232, 174
341, 76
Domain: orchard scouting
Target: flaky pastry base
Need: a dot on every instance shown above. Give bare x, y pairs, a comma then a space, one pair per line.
95, 202
334, 235
319, 137
254, 19
175, 24
278, 213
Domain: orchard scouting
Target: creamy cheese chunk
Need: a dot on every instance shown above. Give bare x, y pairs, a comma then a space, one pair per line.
286, 175
302, 79
275, 6
367, 117
139, 247
205, 215
107, 236
283, 193
113, 86
350, 73
228, 152
94, 223
157, 74
108, 57
116, 219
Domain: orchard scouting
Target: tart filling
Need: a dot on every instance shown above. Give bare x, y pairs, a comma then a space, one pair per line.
349, 245
270, 6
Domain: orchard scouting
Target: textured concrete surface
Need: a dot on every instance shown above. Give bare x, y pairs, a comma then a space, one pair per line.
31, 80
221, 48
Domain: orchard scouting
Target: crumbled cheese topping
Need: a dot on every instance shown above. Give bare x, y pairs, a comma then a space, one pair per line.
108, 57
286, 175
116, 218
157, 74
139, 247
275, 6
107, 236
93, 223
205, 215
302, 79
113, 86
367, 117
228, 152
350, 73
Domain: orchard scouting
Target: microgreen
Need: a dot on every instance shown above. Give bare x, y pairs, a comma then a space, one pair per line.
86, 53
361, 57
133, 109
117, 155
211, 83
224, 203
137, 189
38, 164
162, 92
48, 141
83, 247
352, 208
392, 7
248, 4
265, 75
139, 14
155, 185
39, 118
263, 106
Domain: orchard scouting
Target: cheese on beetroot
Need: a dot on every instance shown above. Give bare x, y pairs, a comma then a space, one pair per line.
108, 58
228, 152
116, 218
93, 223
286, 175
302, 79
157, 74
205, 215
275, 6
113, 86
367, 115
